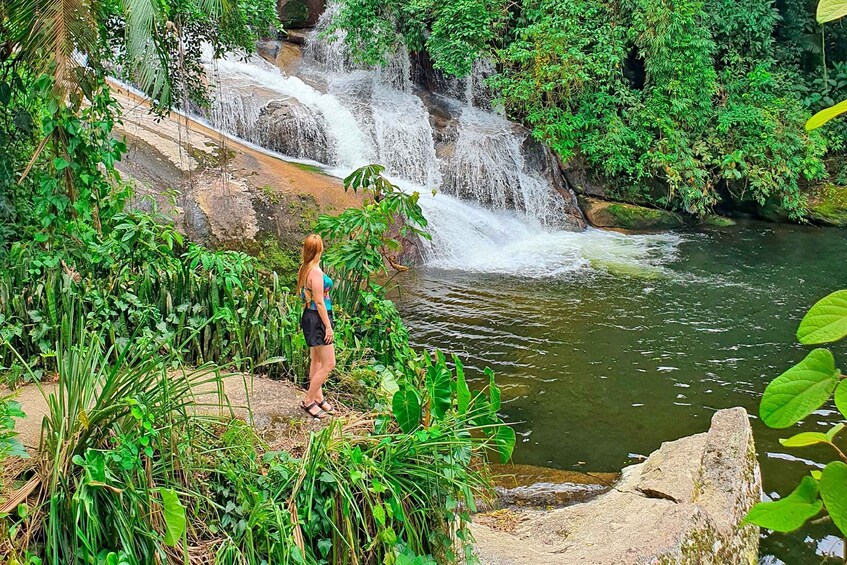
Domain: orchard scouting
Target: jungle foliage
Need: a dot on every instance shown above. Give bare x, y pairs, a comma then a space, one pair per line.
680, 104
140, 459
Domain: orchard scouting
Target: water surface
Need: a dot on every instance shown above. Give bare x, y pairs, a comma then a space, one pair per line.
607, 345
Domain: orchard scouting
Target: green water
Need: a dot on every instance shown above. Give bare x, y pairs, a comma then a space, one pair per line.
602, 363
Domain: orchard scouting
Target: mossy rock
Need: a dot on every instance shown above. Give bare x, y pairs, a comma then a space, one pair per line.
828, 205
619, 215
717, 221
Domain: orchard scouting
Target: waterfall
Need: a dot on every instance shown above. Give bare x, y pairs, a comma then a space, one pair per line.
488, 167
497, 188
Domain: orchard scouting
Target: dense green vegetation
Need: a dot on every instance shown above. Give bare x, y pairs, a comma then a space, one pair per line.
141, 460
679, 104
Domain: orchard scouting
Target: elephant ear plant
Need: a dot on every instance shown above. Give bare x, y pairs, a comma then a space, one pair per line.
796, 394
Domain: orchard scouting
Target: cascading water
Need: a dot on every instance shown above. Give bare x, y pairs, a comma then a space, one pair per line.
499, 207
488, 166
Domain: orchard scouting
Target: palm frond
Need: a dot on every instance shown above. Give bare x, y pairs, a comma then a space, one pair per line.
52, 34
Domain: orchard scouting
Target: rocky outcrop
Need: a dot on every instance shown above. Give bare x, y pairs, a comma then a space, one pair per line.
291, 128
221, 193
828, 205
297, 14
631, 217
685, 504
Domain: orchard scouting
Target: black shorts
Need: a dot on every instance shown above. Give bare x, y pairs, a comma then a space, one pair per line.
313, 327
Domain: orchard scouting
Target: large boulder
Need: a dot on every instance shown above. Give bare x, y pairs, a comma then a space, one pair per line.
294, 129
828, 205
631, 217
685, 505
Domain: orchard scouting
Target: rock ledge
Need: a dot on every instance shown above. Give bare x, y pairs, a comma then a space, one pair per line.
683, 505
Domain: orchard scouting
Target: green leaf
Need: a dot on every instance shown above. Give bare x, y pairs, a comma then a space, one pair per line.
826, 321
407, 409
825, 115
505, 440
829, 10
791, 512
174, 516
493, 392
833, 487
324, 545
804, 439
841, 397
834, 430
463, 393
800, 390
438, 385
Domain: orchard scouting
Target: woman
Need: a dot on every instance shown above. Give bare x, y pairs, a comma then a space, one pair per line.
316, 323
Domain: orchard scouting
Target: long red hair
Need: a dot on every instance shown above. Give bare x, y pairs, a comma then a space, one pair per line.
313, 246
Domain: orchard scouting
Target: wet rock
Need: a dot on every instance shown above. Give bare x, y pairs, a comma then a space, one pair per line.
684, 504
297, 14
582, 179
284, 54
828, 205
529, 485
297, 36
291, 128
619, 215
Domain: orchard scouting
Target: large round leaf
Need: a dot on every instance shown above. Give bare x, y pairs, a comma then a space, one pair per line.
826, 321
407, 409
791, 512
829, 10
800, 390
834, 493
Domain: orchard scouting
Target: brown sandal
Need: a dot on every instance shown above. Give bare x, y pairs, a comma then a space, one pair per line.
326, 407
320, 415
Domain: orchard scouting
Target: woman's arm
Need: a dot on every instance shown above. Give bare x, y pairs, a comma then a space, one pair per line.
316, 282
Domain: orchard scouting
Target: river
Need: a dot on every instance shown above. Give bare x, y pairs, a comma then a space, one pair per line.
607, 345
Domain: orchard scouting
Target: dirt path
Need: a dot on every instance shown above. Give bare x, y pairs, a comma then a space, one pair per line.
274, 410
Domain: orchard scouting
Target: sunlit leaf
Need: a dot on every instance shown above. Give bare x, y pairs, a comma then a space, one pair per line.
829, 10
804, 439
833, 487
463, 393
825, 115
407, 409
826, 321
800, 390
505, 440
791, 512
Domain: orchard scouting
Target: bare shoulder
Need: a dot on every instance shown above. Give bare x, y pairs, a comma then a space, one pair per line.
316, 274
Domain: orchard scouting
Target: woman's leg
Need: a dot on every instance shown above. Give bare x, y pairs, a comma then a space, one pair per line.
326, 363
314, 363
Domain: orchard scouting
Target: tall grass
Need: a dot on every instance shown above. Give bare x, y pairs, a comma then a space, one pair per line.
126, 445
